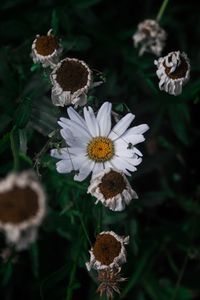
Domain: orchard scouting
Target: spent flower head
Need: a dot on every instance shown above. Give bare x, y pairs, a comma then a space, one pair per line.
109, 280
173, 70
46, 49
22, 208
108, 251
71, 80
112, 188
150, 37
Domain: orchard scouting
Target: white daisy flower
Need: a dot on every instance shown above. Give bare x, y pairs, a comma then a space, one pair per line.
173, 72
71, 80
108, 251
112, 188
22, 208
46, 49
150, 37
93, 146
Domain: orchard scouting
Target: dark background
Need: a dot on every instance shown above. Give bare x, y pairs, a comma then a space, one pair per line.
163, 260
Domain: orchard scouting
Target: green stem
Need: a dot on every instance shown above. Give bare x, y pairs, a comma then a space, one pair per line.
73, 269
161, 10
139, 269
182, 271
100, 217
82, 223
14, 151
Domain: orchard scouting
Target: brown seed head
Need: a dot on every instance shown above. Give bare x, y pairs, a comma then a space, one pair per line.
106, 248
18, 204
72, 75
46, 44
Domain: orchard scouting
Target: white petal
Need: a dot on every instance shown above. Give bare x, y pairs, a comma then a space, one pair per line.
138, 152
122, 148
133, 139
121, 126
74, 116
138, 129
135, 161
57, 100
76, 129
104, 118
121, 164
64, 166
85, 170
91, 121
62, 153
98, 167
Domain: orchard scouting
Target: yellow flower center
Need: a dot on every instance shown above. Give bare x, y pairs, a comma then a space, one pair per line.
100, 149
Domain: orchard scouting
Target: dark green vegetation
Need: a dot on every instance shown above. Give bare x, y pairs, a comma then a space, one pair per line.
164, 223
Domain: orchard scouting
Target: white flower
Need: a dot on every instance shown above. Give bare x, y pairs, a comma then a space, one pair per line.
108, 251
22, 208
93, 146
173, 72
150, 37
71, 80
46, 49
112, 188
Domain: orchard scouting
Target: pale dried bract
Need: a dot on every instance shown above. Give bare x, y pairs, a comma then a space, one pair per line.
150, 37
173, 70
109, 280
112, 188
108, 251
71, 80
46, 50
18, 223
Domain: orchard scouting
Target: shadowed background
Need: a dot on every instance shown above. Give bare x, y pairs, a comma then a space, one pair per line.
163, 224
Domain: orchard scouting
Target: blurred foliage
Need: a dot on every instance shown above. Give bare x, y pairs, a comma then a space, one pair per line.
164, 224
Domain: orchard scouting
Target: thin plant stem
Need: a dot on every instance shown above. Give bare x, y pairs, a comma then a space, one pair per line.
82, 223
180, 276
161, 10
73, 271
100, 213
14, 151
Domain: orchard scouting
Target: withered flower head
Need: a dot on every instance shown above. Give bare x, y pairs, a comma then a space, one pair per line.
109, 280
108, 251
22, 208
71, 81
150, 37
112, 188
173, 72
46, 49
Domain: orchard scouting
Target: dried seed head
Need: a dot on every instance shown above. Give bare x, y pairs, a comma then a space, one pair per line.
46, 44
72, 75
46, 49
112, 188
106, 248
173, 72
18, 205
109, 280
150, 37
108, 251
71, 80
22, 208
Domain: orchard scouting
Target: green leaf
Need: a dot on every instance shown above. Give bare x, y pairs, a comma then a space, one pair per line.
54, 22
6, 271
4, 142
179, 117
23, 113
34, 255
